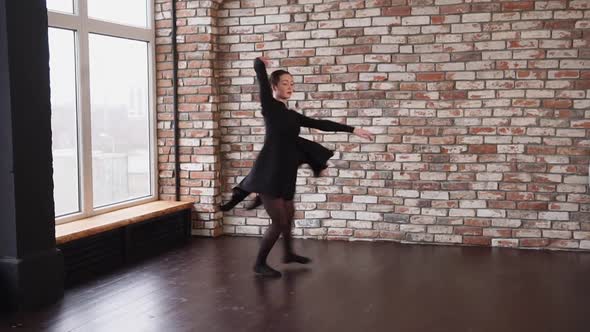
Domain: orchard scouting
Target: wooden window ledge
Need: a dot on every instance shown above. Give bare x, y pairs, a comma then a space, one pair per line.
105, 222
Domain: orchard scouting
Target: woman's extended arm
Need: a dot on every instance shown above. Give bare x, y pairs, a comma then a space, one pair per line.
327, 125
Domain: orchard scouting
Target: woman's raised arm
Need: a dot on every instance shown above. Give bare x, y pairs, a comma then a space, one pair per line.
266, 97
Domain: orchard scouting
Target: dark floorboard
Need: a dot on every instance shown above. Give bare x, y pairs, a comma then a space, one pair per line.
351, 286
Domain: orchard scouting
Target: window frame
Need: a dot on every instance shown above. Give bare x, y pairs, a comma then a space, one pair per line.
83, 26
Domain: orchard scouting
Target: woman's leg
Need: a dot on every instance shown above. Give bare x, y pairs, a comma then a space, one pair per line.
290, 256
275, 207
286, 231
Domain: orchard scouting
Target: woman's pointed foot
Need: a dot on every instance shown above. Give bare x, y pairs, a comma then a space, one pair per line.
266, 271
293, 258
256, 203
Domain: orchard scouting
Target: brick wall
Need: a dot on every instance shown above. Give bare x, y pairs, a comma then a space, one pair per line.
197, 105
481, 111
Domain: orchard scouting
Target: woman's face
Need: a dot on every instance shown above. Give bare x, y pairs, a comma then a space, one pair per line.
284, 89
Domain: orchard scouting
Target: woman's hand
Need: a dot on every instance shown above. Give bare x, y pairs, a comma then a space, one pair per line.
360, 132
265, 60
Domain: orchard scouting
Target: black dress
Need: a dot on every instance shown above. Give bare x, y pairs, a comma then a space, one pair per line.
275, 171
311, 153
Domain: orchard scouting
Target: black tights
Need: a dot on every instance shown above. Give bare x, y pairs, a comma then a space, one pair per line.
281, 213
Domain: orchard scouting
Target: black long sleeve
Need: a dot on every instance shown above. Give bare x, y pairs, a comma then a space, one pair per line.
266, 97
324, 125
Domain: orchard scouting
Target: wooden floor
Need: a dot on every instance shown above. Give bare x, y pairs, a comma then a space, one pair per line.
208, 286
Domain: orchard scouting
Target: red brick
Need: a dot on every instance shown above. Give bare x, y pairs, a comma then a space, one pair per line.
483, 148
362, 233
566, 74
478, 222
466, 230
518, 6
541, 206
485, 7
560, 24
477, 240
557, 103
582, 84
391, 235
455, 9
340, 198
445, 95
482, 130
501, 205
397, 11
572, 151
547, 150
534, 242
412, 86
362, 49
532, 74
430, 76
291, 62
581, 124
519, 196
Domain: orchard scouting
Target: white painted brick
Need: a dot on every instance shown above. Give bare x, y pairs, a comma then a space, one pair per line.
505, 243
494, 213
270, 19
494, 45
557, 234
434, 212
199, 20
435, 195
313, 198
368, 12
360, 224
405, 30
234, 221
546, 215
440, 229
255, 230
386, 20
503, 223
416, 20
472, 204
412, 228
343, 214
385, 49
464, 28
365, 199
372, 216
480, 17
324, 34
406, 193
317, 214
357, 22
248, 20
257, 221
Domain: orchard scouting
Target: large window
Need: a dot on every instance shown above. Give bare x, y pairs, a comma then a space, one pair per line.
102, 100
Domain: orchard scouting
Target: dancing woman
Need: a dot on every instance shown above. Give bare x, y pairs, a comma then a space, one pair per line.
274, 173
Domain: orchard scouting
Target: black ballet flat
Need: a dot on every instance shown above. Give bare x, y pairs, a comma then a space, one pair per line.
238, 195
266, 271
292, 258
256, 203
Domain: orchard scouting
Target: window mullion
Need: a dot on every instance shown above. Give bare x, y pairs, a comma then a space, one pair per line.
85, 112
153, 101
63, 21
119, 30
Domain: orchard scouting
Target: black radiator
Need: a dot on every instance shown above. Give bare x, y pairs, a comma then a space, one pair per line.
94, 255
